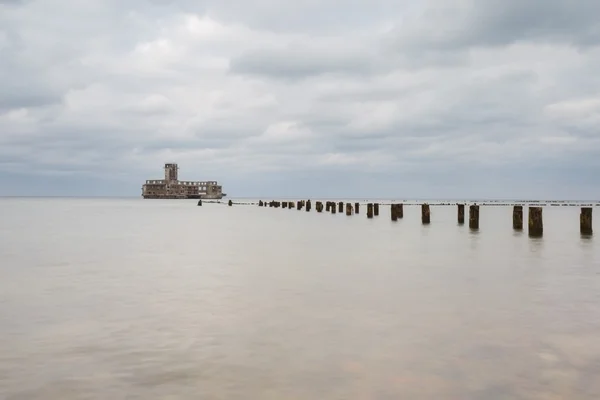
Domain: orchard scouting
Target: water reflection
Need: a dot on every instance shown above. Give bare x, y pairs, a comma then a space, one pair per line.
536, 245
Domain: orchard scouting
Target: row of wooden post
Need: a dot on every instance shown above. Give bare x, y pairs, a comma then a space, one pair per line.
535, 220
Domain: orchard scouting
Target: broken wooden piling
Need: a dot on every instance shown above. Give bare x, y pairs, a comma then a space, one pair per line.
394, 212
585, 221
536, 223
370, 210
474, 217
291, 205
341, 206
425, 214
349, 209
461, 213
307, 204
376, 209
260, 203
356, 208
518, 218
285, 204
230, 203
200, 202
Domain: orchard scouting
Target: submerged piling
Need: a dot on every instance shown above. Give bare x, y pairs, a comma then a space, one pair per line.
370, 210
376, 209
474, 217
461, 213
585, 221
230, 203
200, 202
425, 214
291, 205
307, 205
333, 207
341, 206
349, 209
394, 212
356, 208
536, 223
260, 203
518, 218
285, 204
319, 206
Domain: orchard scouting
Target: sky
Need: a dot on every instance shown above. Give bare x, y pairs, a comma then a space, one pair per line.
379, 98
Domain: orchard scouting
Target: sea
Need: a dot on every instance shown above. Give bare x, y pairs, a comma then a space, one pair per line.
124, 298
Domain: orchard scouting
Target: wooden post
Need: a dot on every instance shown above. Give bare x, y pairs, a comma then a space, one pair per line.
585, 221
356, 208
400, 210
333, 207
341, 206
291, 205
461, 213
200, 202
474, 217
536, 223
230, 203
299, 205
518, 218
285, 204
307, 205
425, 214
370, 210
376, 209
348, 209
260, 203
327, 206
394, 212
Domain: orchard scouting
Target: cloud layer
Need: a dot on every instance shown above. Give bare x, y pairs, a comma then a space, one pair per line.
448, 98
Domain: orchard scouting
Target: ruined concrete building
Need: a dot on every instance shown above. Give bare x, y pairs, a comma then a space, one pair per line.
172, 188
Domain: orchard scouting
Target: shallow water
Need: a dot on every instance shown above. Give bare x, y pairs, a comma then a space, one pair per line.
133, 299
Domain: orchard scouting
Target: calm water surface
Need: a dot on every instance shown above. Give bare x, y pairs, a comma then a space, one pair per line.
133, 299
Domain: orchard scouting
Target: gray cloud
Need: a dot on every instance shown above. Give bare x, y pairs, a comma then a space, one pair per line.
312, 98
303, 61
503, 22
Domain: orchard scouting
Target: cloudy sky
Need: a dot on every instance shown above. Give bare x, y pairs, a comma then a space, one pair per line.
394, 98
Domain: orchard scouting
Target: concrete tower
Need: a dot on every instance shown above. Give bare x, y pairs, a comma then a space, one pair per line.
171, 173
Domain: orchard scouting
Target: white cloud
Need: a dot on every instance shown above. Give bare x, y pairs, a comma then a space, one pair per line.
235, 88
